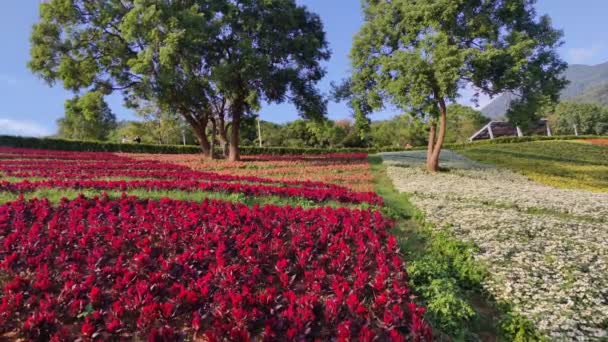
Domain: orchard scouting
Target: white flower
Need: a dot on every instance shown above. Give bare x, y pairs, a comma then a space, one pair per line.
546, 248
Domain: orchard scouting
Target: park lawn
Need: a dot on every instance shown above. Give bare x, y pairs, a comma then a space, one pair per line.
562, 164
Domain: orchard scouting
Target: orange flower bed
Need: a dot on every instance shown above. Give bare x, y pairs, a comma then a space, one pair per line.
351, 171
603, 141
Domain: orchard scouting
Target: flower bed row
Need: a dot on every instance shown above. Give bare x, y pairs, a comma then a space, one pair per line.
70, 165
353, 173
167, 269
317, 195
30, 153
92, 173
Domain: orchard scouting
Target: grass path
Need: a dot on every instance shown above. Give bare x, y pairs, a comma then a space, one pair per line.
55, 195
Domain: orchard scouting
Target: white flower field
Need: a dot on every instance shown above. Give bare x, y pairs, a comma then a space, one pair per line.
546, 249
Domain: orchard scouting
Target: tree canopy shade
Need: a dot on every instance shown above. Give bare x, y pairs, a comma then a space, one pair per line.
419, 55
204, 59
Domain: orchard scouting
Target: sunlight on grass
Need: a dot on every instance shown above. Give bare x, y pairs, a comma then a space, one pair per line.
55, 195
557, 163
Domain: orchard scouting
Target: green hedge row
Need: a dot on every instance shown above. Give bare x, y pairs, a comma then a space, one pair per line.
98, 146
92, 146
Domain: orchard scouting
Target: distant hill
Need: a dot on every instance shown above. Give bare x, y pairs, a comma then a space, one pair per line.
588, 84
596, 94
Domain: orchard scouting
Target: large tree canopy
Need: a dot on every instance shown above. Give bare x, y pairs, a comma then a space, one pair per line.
419, 55
203, 59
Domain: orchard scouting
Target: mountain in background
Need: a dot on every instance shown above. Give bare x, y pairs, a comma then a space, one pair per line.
588, 84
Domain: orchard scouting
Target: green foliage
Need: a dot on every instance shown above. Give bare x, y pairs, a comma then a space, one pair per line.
186, 56
407, 129
345, 92
514, 327
153, 132
463, 122
87, 117
302, 133
419, 55
399, 132
448, 308
443, 276
97, 146
588, 118
557, 163
413, 53
161, 126
130, 130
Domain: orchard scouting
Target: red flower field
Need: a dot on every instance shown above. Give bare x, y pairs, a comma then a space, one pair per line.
165, 270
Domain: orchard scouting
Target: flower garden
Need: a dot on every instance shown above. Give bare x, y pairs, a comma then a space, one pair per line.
113, 266
544, 247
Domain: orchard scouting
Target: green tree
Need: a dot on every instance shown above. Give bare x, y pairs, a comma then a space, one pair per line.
360, 108
87, 117
399, 132
419, 55
462, 123
587, 118
132, 129
161, 125
186, 56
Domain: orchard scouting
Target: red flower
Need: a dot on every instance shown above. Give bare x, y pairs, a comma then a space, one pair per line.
183, 264
95, 295
88, 329
167, 309
113, 326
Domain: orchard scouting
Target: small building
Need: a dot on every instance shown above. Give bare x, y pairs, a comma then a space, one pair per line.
497, 129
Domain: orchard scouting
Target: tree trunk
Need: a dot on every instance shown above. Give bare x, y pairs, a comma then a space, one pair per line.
434, 149
213, 130
201, 136
222, 131
198, 122
431, 144
234, 133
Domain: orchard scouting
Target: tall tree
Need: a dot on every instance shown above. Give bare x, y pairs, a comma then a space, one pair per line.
270, 51
187, 56
419, 55
87, 117
151, 50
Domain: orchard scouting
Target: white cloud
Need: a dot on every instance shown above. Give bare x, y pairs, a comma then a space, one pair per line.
21, 128
584, 54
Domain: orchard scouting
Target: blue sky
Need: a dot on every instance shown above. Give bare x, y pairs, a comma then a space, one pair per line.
30, 107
